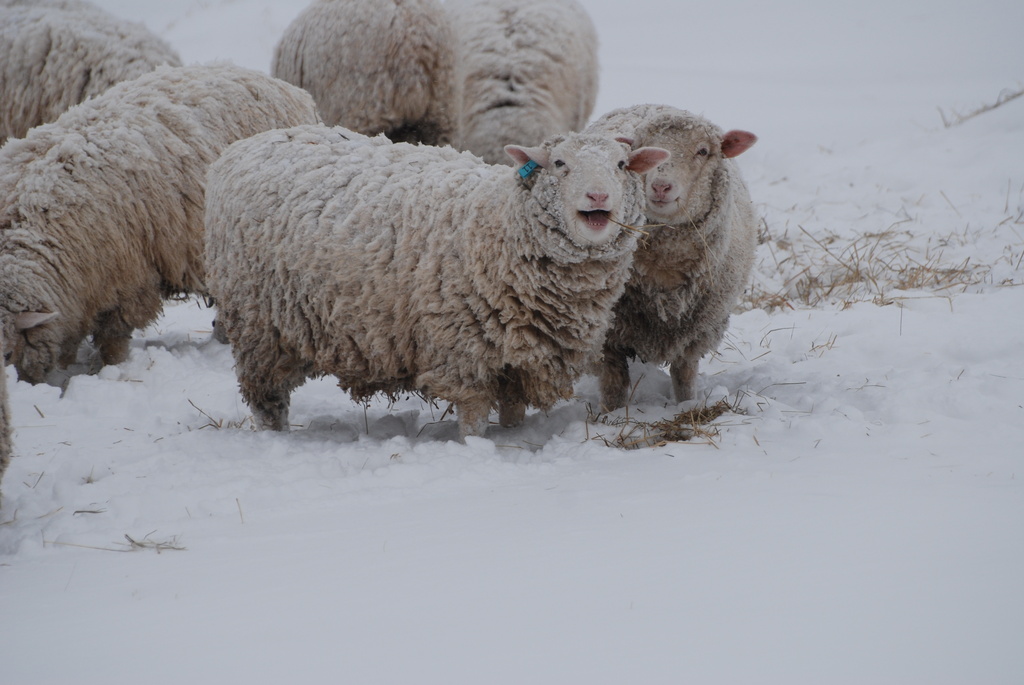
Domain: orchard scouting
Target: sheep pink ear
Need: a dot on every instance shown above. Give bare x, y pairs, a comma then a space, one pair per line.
24, 320
525, 155
646, 158
737, 142
625, 140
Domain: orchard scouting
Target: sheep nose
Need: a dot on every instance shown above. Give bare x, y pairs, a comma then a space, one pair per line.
598, 198
661, 188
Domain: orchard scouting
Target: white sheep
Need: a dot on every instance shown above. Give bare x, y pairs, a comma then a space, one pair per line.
688, 274
409, 268
375, 66
56, 54
101, 211
524, 71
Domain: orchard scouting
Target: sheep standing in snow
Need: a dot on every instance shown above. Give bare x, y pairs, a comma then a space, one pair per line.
101, 211
375, 66
524, 71
409, 268
56, 54
689, 273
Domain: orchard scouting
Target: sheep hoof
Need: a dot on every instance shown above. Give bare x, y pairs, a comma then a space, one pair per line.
265, 420
270, 416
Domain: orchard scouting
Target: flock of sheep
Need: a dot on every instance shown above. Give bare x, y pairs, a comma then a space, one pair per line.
414, 261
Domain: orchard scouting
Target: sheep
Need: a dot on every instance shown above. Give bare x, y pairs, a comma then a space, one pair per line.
409, 268
56, 54
690, 272
101, 212
524, 71
375, 66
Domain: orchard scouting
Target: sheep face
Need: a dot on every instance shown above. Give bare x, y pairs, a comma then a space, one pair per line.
591, 177
677, 190
30, 356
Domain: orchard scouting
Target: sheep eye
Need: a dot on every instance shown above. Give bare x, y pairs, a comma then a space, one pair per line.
703, 152
622, 164
559, 163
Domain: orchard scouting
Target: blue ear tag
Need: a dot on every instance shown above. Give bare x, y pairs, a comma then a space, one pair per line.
528, 168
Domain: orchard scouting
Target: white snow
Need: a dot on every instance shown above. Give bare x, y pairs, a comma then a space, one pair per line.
858, 519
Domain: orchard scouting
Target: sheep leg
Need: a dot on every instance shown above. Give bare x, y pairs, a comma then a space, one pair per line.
114, 350
267, 371
613, 380
511, 408
511, 414
684, 374
267, 388
112, 336
473, 416
269, 406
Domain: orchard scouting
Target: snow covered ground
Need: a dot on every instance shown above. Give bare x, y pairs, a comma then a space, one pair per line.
857, 517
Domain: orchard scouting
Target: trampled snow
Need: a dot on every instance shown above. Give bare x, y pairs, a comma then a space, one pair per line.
858, 516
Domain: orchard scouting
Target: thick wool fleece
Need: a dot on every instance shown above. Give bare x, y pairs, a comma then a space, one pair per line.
56, 54
525, 71
689, 274
101, 212
375, 66
402, 268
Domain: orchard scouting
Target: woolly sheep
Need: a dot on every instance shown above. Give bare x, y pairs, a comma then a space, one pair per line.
101, 212
56, 54
375, 66
690, 273
403, 268
524, 71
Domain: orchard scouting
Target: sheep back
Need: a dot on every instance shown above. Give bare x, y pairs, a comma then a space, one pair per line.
375, 66
101, 212
524, 71
690, 272
401, 268
57, 54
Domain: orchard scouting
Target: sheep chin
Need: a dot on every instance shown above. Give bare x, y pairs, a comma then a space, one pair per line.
663, 212
595, 227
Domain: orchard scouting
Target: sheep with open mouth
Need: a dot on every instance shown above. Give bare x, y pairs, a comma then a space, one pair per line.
402, 268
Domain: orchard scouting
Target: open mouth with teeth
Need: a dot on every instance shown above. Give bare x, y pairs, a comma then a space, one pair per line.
596, 219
